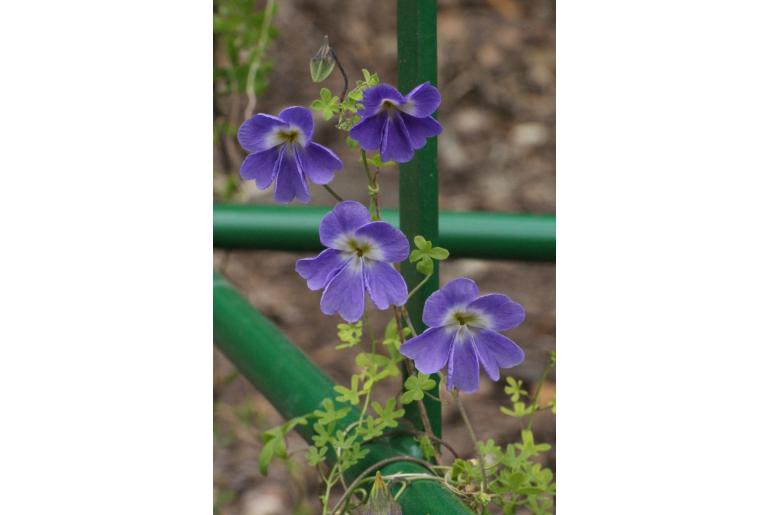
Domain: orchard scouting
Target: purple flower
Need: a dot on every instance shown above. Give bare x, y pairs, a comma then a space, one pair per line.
463, 331
397, 125
282, 151
359, 257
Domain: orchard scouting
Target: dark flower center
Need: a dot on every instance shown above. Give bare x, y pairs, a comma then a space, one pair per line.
465, 318
389, 106
359, 248
289, 136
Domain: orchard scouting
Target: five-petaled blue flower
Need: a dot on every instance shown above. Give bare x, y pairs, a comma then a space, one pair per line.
282, 151
397, 125
463, 331
358, 257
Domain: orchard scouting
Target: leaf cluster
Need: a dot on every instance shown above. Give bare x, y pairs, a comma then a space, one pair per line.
349, 334
274, 443
424, 254
514, 477
416, 386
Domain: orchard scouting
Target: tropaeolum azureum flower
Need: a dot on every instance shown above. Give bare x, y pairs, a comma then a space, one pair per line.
359, 256
281, 150
397, 125
463, 332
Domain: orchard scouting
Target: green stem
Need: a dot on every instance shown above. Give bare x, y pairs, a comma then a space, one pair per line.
432, 437
342, 71
374, 188
256, 62
419, 285
333, 193
329, 485
373, 349
366, 165
408, 320
472, 433
420, 404
536, 394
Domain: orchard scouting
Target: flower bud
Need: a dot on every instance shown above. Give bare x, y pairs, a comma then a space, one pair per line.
380, 501
322, 63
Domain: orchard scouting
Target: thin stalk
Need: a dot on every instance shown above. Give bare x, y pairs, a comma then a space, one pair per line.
372, 350
472, 433
420, 404
368, 325
423, 412
374, 188
421, 433
537, 394
333, 193
419, 285
256, 63
342, 476
408, 478
409, 324
342, 71
329, 485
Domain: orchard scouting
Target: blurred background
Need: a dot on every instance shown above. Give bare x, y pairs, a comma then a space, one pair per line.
496, 76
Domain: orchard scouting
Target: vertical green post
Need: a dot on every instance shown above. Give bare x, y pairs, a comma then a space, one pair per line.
418, 179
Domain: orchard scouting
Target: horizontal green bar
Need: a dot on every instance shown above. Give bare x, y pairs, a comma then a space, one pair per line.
487, 235
295, 386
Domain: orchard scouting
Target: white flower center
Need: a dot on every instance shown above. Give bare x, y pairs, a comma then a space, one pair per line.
361, 248
289, 136
389, 106
462, 318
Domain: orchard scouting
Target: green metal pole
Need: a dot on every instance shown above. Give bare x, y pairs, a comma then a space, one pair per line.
290, 381
418, 179
483, 235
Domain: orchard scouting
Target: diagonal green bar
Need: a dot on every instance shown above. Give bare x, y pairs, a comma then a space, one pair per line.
474, 234
418, 179
295, 386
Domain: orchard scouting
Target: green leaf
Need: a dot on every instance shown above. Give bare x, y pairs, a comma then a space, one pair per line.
388, 414
410, 396
349, 334
322, 434
316, 456
426, 446
267, 453
424, 255
327, 105
356, 95
351, 394
421, 382
515, 389
352, 455
438, 253
330, 414
528, 445
370, 428
425, 266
